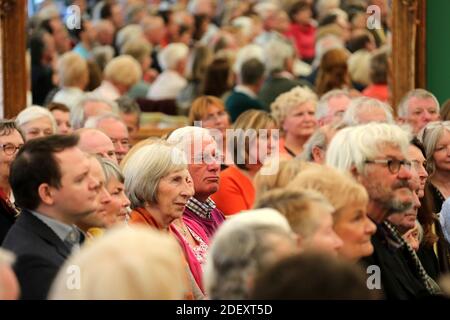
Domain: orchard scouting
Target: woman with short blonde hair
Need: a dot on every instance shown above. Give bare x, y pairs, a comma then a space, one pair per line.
295, 112
350, 200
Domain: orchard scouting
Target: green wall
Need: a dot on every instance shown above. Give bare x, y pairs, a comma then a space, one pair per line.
438, 48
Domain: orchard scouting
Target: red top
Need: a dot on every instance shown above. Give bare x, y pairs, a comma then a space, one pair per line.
377, 91
236, 192
304, 37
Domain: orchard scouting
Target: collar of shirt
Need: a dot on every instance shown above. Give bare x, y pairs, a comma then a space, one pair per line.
65, 232
202, 209
245, 90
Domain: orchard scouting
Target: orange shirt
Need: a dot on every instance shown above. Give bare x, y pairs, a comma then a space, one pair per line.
236, 192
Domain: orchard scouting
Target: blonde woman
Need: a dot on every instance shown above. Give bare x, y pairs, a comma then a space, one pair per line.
295, 112
349, 200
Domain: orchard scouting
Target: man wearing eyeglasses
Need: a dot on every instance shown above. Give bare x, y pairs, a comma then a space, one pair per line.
377, 156
10, 141
204, 166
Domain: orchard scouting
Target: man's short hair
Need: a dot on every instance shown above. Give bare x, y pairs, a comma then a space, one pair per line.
36, 164
7, 127
252, 71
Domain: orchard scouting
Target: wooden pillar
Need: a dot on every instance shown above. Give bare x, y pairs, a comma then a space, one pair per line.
13, 46
408, 47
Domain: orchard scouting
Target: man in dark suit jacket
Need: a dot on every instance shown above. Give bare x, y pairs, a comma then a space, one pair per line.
244, 95
52, 183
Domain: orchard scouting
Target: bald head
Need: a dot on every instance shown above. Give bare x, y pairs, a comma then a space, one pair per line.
94, 141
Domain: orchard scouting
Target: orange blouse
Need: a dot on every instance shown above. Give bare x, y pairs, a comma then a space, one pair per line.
236, 192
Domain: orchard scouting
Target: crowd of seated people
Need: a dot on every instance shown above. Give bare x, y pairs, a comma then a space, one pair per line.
292, 177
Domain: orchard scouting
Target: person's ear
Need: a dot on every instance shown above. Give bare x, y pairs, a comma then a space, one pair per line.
355, 173
318, 155
46, 194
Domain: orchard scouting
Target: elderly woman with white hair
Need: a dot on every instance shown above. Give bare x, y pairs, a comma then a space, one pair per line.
242, 248
36, 122
171, 81
125, 264
159, 185
120, 74
364, 110
295, 113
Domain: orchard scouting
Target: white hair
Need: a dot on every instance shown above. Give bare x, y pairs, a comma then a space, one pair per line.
184, 137
276, 53
77, 118
127, 33
352, 146
241, 248
323, 104
169, 57
403, 110
132, 263
93, 122
245, 24
324, 7
7, 257
351, 115
35, 112
246, 53
265, 9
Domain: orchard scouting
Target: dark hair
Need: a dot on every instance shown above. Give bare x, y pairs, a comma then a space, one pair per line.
358, 42
215, 82
296, 278
37, 46
379, 68
45, 25
328, 19
36, 164
252, 71
417, 143
8, 126
106, 10
296, 8
58, 106
76, 32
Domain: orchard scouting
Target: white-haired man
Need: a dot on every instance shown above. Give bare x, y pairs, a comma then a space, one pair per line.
364, 110
417, 108
376, 154
204, 166
332, 106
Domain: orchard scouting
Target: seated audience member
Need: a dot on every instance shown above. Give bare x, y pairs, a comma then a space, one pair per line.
378, 87
332, 106
11, 140
219, 78
242, 248
236, 190
53, 184
314, 150
286, 171
312, 276
140, 270
364, 110
116, 211
295, 113
376, 155
85, 36
120, 75
349, 199
171, 81
140, 50
333, 72
92, 105
130, 113
159, 185
414, 236
436, 139
417, 108
94, 141
61, 113
36, 122
9, 286
204, 168
112, 125
93, 225
244, 94
309, 215
279, 57
73, 74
